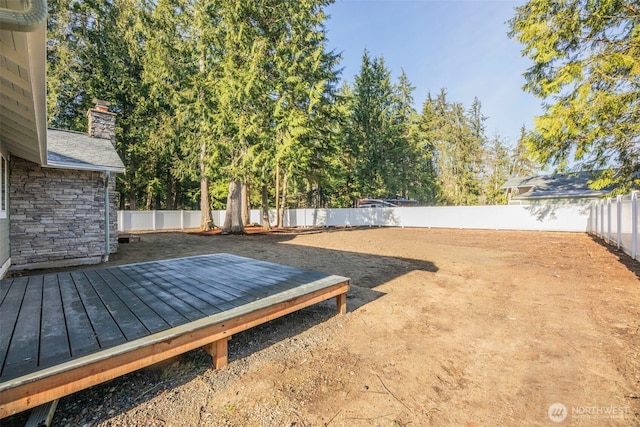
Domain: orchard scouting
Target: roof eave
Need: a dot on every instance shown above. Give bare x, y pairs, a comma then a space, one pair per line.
23, 109
37, 53
557, 196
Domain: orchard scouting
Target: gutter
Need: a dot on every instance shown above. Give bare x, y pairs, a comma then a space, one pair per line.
94, 168
24, 20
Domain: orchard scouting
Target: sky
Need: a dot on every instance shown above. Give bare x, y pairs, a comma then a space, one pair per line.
459, 45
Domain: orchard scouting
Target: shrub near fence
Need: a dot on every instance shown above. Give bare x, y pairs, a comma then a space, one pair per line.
617, 221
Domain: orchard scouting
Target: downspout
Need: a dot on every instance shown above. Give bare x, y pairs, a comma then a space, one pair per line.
107, 237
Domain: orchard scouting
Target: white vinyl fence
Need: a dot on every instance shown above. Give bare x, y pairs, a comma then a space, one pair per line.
157, 220
617, 222
544, 217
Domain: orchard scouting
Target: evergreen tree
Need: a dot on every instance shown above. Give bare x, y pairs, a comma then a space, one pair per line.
458, 139
94, 50
522, 160
587, 66
496, 172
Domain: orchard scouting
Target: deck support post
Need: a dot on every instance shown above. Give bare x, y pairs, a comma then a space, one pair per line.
341, 303
42, 415
218, 351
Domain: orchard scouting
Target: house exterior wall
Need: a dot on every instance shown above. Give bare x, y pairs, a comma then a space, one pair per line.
4, 245
57, 216
5, 242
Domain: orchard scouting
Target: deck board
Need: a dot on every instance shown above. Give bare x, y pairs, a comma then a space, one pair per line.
53, 337
67, 331
151, 320
11, 304
125, 319
102, 321
150, 296
22, 355
189, 306
82, 337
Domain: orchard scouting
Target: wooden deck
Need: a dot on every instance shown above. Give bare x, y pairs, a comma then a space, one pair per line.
63, 332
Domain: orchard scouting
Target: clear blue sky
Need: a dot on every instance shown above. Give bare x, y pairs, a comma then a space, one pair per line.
459, 45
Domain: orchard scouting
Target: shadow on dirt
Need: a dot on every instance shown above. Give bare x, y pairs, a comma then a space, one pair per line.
631, 264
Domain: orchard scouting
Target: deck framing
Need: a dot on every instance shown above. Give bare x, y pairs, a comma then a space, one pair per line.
210, 333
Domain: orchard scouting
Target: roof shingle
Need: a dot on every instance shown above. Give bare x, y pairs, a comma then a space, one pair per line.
76, 150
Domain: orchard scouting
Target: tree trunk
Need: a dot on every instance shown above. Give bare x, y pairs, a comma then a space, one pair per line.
266, 224
148, 199
206, 223
283, 203
132, 197
132, 189
233, 219
246, 214
176, 195
168, 203
278, 217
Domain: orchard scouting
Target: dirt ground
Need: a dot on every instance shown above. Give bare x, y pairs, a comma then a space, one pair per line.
444, 327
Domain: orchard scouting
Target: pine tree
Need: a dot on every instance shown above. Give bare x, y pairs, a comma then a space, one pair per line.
94, 50
496, 172
522, 160
587, 67
458, 139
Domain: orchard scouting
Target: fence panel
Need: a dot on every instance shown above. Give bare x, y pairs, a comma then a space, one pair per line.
617, 222
614, 238
191, 219
626, 225
538, 217
168, 220
137, 221
635, 214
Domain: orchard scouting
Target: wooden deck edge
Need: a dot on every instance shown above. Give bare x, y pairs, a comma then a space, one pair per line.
324, 283
21, 395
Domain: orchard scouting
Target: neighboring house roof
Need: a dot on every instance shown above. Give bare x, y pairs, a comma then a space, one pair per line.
76, 150
23, 121
555, 186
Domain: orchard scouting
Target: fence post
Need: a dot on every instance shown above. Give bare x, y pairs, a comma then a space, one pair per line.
619, 220
120, 220
153, 220
609, 220
181, 219
634, 224
601, 209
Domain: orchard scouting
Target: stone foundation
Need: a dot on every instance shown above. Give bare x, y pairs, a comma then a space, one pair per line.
57, 216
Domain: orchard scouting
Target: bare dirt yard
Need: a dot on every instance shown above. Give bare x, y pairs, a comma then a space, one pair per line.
444, 327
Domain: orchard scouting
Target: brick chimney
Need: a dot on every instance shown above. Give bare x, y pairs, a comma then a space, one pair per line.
102, 123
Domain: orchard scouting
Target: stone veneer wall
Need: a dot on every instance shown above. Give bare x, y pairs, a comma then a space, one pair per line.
102, 124
57, 216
